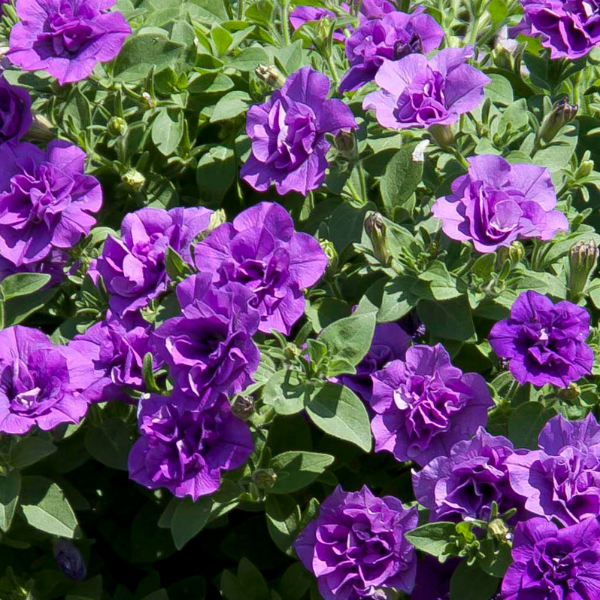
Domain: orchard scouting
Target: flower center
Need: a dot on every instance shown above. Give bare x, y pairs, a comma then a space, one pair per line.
68, 33
424, 100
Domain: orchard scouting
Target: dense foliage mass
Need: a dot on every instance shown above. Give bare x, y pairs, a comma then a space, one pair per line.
299, 300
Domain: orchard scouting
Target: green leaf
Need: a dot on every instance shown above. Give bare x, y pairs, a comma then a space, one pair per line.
191, 588
18, 309
432, 538
189, 519
339, 412
526, 422
283, 519
350, 338
287, 392
109, 443
451, 319
222, 39
499, 89
252, 580
249, 58
91, 589
215, 173
230, 106
45, 507
167, 130
10, 486
207, 10
497, 557
402, 176
30, 450
209, 83
295, 582
296, 470
22, 284
472, 583
390, 300
557, 155
175, 265
143, 51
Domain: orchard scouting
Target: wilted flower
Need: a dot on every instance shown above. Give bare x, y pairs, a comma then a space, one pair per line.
46, 200
209, 349
133, 267
465, 483
496, 203
40, 383
420, 92
357, 545
261, 250
15, 112
561, 114
69, 560
392, 37
552, 563
67, 38
424, 405
289, 146
545, 342
270, 75
185, 451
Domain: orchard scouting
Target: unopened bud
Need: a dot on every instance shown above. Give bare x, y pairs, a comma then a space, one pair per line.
583, 257
271, 75
134, 179
69, 560
41, 130
561, 114
442, 135
332, 257
502, 58
569, 394
345, 143
499, 529
377, 231
149, 101
585, 169
264, 478
217, 218
243, 407
117, 126
515, 253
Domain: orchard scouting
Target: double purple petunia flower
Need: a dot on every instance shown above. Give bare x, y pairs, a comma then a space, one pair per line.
15, 112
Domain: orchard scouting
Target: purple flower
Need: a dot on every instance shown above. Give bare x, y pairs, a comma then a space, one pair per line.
288, 134
185, 451
554, 564
465, 483
544, 342
40, 383
66, 37
420, 92
209, 349
561, 481
117, 349
133, 267
69, 560
15, 112
392, 37
46, 200
425, 405
496, 203
53, 265
568, 29
433, 579
261, 250
356, 546
390, 342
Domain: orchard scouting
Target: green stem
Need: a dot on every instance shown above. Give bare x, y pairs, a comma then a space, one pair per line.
285, 26
363, 182
240, 10
353, 192
332, 68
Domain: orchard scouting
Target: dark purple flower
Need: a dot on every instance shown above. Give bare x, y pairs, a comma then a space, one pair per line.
496, 203
46, 200
554, 564
40, 383
67, 38
465, 483
69, 560
356, 547
209, 349
53, 265
185, 451
545, 342
289, 146
390, 342
133, 267
425, 405
392, 37
433, 579
15, 112
568, 29
117, 349
413, 326
561, 481
420, 92
261, 250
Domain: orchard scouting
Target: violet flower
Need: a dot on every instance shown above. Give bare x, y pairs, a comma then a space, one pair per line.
15, 112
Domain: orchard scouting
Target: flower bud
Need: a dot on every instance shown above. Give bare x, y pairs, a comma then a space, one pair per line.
583, 257
134, 179
559, 116
243, 407
41, 130
377, 231
270, 75
332, 257
69, 560
117, 126
499, 529
345, 143
569, 394
515, 253
585, 169
502, 58
264, 478
442, 135
216, 218
149, 101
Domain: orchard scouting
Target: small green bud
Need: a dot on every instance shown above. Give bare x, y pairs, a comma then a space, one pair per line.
243, 407
377, 231
499, 529
41, 130
502, 58
515, 253
583, 257
117, 126
442, 135
271, 75
264, 479
561, 114
217, 218
569, 394
585, 169
345, 143
134, 180
332, 257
